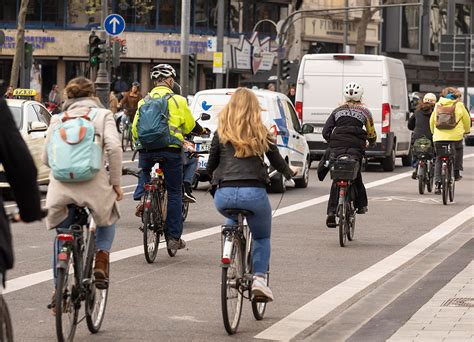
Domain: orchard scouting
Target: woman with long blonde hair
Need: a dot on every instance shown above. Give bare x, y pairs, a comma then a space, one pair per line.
236, 162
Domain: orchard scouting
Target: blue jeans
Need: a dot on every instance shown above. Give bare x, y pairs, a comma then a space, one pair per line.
173, 171
189, 168
104, 237
260, 223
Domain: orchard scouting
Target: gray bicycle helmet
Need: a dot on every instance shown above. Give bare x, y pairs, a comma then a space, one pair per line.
162, 71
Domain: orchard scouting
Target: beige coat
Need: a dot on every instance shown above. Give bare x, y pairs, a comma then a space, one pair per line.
97, 194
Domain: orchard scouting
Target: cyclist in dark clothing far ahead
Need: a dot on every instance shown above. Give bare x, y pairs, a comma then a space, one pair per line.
345, 134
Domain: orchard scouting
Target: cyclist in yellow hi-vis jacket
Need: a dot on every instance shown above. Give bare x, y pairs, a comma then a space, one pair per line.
180, 123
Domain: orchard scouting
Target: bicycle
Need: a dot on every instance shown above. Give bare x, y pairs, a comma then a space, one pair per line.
75, 281
445, 154
154, 213
343, 171
237, 272
127, 134
6, 329
425, 169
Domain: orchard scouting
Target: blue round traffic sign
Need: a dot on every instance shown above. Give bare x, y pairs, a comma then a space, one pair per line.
114, 24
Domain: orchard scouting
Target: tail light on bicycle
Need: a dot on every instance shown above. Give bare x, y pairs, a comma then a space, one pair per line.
150, 187
65, 237
227, 252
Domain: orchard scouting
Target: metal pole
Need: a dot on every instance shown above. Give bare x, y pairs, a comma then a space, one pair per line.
102, 83
220, 38
345, 48
185, 23
466, 68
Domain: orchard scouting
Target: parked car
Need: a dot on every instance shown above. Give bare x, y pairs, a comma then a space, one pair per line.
32, 119
279, 116
469, 139
319, 91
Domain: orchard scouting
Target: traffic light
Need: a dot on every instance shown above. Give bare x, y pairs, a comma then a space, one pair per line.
192, 65
28, 53
285, 69
96, 50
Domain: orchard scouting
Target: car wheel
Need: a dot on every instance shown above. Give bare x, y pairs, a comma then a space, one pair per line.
277, 184
303, 181
469, 141
388, 163
407, 160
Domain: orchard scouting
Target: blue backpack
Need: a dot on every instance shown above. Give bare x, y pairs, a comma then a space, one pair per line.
153, 127
73, 155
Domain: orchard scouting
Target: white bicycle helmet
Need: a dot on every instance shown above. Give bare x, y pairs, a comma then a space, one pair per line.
162, 71
353, 91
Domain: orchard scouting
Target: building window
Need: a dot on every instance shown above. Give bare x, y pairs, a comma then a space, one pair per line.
76, 69
52, 13
204, 16
169, 15
410, 36
33, 13
438, 22
140, 15
462, 20
8, 11
83, 14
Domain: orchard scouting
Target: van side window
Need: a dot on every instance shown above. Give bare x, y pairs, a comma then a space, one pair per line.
294, 117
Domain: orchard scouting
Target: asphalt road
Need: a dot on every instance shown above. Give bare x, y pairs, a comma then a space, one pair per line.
179, 298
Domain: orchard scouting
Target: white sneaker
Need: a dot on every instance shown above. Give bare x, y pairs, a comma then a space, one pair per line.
260, 291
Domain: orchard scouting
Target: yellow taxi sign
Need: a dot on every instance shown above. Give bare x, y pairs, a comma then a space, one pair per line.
24, 92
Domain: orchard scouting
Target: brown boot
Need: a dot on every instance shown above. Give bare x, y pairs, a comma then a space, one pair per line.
101, 270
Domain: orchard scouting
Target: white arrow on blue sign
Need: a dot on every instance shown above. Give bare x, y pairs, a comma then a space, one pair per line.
114, 24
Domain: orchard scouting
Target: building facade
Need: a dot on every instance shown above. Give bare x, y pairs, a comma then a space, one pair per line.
59, 31
413, 34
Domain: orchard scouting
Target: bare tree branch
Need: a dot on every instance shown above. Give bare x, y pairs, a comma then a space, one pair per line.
20, 38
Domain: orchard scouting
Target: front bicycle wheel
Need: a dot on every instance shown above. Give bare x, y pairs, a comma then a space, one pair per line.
258, 308
6, 329
430, 179
67, 306
151, 235
452, 184
351, 218
342, 213
125, 137
231, 292
185, 209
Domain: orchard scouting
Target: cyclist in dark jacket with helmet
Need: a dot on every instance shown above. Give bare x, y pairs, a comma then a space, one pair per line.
345, 134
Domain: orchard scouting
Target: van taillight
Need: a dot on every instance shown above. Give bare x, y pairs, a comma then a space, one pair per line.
385, 117
299, 109
343, 57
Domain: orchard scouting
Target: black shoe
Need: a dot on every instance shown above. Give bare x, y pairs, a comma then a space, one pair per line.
414, 175
187, 195
457, 175
362, 210
437, 188
331, 221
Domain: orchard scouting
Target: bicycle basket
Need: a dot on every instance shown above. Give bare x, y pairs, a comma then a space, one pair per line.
422, 147
344, 169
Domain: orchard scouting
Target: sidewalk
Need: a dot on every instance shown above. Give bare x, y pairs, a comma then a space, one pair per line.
448, 316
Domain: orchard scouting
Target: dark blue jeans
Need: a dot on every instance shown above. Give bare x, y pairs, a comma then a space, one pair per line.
173, 171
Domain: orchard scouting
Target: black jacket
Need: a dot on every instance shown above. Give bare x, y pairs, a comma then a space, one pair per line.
20, 171
419, 123
250, 171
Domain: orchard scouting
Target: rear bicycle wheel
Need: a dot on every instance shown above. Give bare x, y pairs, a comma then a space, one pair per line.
67, 306
185, 209
6, 329
342, 214
125, 137
231, 293
430, 179
96, 299
421, 179
151, 236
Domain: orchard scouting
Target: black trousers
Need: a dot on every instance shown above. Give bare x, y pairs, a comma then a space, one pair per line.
359, 192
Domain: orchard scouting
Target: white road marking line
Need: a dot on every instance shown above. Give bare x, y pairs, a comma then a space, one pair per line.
318, 308
39, 277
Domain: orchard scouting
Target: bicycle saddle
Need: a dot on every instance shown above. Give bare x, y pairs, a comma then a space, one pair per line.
236, 212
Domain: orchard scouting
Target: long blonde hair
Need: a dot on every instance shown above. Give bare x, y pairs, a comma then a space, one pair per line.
240, 124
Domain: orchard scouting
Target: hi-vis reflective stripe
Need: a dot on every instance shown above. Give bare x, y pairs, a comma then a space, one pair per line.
175, 130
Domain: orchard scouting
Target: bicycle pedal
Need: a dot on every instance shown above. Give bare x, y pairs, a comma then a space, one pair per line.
260, 299
102, 284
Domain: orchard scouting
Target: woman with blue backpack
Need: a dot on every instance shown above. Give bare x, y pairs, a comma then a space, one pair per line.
78, 142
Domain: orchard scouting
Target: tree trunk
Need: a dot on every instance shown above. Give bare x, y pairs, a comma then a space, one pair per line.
20, 39
362, 28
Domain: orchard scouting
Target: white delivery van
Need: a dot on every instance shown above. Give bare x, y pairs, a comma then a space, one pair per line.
319, 90
469, 138
279, 116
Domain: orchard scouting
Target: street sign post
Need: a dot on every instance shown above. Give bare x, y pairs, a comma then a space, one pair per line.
114, 24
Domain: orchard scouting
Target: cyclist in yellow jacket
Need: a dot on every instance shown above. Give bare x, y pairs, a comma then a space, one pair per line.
450, 98
181, 122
